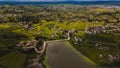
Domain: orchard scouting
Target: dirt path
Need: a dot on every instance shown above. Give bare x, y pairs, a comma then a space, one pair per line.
60, 55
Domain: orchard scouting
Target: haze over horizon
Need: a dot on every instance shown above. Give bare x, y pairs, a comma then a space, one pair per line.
54, 0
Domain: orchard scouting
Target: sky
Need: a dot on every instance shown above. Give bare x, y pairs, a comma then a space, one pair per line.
59, 0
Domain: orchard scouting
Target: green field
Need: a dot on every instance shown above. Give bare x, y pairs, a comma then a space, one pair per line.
13, 60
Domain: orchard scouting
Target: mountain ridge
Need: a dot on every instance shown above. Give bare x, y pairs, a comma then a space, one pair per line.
62, 2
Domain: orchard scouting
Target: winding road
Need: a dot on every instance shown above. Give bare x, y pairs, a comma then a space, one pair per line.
60, 54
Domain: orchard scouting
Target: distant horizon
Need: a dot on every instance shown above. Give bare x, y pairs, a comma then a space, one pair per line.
59, 1
53, 0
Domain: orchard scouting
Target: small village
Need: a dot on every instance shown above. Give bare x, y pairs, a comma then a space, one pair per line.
102, 29
72, 35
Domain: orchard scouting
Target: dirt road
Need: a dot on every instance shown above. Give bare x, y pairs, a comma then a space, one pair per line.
60, 55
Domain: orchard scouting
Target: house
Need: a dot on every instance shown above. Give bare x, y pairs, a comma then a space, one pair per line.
113, 58
101, 29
